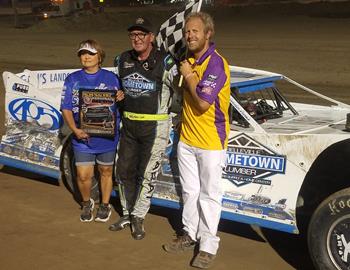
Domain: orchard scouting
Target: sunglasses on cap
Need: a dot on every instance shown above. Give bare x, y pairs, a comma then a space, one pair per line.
86, 52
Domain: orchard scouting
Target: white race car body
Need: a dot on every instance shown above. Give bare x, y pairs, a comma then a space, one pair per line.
270, 151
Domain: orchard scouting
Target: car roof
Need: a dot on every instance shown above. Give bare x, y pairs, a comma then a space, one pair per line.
248, 80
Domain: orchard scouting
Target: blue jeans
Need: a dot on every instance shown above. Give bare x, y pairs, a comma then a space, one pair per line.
106, 159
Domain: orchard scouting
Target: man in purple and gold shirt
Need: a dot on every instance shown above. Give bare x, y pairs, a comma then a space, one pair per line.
203, 140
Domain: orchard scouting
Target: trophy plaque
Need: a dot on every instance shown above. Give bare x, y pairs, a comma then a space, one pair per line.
96, 112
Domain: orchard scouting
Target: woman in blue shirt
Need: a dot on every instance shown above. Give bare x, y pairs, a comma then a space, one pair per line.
90, 149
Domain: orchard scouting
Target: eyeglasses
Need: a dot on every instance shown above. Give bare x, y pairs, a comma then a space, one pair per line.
140, 35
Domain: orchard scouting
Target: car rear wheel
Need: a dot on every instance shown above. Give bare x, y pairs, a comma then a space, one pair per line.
69, 174
329, 232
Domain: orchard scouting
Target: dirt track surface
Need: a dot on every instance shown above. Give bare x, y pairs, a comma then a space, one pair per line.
40, 226
40, 229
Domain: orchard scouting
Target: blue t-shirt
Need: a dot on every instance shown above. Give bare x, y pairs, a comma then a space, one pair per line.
102, 80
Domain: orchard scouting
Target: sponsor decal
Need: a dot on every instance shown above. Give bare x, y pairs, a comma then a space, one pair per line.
248, 161
45, 147
29, 156
136, 85
75, 98
14, 138
128, 65
208, 82
169, 162
169, 61
102, 86
343, 247
174, 71
25, 77
20, 88
207, 90
339, 236
32, 110
145, 65
211, 78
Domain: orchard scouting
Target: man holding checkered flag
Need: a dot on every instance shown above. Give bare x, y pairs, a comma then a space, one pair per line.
201, 151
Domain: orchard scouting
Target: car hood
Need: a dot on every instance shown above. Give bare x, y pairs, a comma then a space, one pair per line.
312, 119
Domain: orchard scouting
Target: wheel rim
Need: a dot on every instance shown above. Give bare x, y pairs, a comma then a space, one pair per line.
338, 243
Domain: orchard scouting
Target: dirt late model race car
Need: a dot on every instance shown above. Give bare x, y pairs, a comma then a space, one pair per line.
285, 160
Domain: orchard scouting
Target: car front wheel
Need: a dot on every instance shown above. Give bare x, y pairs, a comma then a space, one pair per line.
329, 232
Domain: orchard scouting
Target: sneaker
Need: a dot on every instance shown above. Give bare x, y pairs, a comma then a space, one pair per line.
203, 260
121, 224
137, 228
87, 208
104, 211
181, 243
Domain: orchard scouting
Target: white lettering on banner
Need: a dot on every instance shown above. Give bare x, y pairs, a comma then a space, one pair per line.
58, 77
44, 78
274, 163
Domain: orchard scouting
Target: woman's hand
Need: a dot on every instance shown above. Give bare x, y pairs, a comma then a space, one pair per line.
81, 134
119, 96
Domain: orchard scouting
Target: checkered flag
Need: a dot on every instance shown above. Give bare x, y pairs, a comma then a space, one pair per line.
170, 36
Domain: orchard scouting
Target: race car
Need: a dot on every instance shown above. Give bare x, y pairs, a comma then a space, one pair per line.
285, 160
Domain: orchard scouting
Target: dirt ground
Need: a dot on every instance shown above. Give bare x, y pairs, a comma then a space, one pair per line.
40, 226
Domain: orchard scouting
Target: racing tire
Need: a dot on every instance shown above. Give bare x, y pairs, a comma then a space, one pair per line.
329, 232
69, 175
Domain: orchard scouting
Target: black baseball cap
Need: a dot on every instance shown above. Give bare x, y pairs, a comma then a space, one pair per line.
142, 24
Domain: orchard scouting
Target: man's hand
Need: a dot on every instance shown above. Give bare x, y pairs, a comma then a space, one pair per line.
192, 81
185, 68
